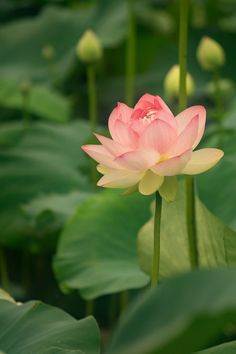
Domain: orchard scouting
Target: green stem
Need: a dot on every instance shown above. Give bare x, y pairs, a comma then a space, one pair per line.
156, 241
25, 110
92, 96
218, 104
217, 95
130, 54
4, 271
124, 299
191, 222
183, 38
112, 309
189, 181
89, 308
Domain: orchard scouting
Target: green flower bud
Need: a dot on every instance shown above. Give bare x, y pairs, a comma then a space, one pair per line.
226, 87
210, 54
171, 83
89, 48
48, 52
25, 87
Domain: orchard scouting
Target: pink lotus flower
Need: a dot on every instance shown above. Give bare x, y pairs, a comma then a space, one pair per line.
150, 146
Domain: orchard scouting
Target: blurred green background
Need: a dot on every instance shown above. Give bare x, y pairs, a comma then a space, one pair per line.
46, 191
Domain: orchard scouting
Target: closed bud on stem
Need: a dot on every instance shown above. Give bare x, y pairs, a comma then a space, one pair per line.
48, 52
171, 83
226, 87
210, 54
89, 48
25, 87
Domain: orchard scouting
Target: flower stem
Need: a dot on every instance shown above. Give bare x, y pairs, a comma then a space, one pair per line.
217, 95
124, 299
5, 283
191, 221
92, 96
89, 307
25, 110
218, 103
183, 39
130, 54
156, 241
189, 180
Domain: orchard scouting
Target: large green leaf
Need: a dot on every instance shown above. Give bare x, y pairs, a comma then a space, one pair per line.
44, 159
38, 328
60, 27
43, 102
226, 348
217, 187
216, 242
97, 249
61, 206
180, 316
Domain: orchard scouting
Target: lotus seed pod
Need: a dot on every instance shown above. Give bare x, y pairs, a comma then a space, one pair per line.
210, 54
171, 83
89, 48
48, 52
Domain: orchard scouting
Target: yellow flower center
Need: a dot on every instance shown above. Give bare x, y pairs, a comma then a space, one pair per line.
163, 158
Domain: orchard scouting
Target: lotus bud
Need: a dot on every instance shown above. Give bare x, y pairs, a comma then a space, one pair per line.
226, 87
210, 54
171, 83
48, 52
89, 48
25, 87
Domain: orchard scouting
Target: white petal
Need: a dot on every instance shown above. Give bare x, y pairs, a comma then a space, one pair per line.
168, 189
150, 183
202, 160
120, 179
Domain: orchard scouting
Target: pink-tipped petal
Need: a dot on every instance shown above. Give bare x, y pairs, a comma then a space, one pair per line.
103, 169
172, 166
124, 134
150, 183
122, 112
112, 146
186, 116
152, 101
101, 155
120, 179
158, 135
202, 160
186, 139
138, 160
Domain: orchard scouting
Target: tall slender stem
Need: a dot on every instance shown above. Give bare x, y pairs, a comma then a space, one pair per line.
130, 54
124, 299
189, 180
218, 104
191, 221
183, 39
90, 307
4, 271
92, 96
217, 94
156, 241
